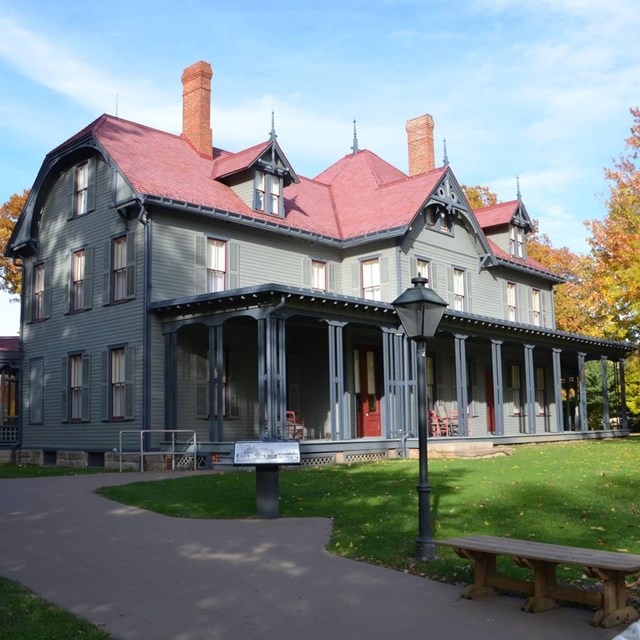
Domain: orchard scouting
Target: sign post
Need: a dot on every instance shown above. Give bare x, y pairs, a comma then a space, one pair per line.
267, 457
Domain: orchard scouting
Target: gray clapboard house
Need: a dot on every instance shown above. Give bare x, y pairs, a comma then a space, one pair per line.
171, 285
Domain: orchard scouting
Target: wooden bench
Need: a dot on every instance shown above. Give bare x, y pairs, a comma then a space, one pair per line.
608, 566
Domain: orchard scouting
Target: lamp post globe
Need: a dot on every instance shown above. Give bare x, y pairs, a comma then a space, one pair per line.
420, 310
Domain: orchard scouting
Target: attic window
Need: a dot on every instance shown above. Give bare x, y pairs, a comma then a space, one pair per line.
438, 219
268, 193
516, 241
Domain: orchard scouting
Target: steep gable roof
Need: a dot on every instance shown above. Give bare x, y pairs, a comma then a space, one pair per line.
502, 213
528, 264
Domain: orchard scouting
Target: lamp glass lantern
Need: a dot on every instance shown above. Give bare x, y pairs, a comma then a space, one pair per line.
420, 310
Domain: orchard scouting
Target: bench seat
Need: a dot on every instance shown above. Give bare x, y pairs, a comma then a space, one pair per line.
542, 558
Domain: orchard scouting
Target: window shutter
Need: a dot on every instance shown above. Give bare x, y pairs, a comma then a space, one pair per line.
433, 279
449, 294
129, 378
468, 293
356, 288
71, 190
306, 272
88, 278
68, 301
131, 265
106, 274
46, 305
86, 388
384, 279
36, 383
332, 285
27, 295
104, 386
234, 265
200, 266
92, 179
64, 386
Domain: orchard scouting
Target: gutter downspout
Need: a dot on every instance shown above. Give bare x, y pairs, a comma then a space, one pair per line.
18, 443
143, 218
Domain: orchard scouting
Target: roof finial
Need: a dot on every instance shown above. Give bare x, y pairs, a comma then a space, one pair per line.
445, 160
354, 148
272, 135
518, 194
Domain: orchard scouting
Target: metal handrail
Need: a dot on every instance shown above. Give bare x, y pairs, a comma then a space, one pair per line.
191, 443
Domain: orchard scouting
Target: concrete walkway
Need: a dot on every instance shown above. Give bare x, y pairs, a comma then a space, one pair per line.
143, 576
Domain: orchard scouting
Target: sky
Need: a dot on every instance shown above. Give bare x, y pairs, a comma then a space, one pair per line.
535, 90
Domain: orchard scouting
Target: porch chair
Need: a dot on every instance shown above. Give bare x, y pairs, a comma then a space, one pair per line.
295, 426
437, 427
455, 424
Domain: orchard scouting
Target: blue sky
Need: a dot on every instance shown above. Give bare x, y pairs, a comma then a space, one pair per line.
539, 89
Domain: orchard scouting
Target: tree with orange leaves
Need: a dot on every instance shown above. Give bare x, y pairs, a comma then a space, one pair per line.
10, 273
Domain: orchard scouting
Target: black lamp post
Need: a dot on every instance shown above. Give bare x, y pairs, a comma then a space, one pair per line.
420, 310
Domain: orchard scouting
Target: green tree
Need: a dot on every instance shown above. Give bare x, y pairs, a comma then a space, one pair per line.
10, 273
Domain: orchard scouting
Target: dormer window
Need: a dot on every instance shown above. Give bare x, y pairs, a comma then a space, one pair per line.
268, 190
516, 241
438, 219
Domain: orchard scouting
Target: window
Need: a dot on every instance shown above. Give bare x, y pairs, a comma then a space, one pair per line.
38, 292
371, 289
267, 197
117, 383
82, 189
120, 268
516, 241
117, 401
437, 218
318, 275
216, 265
516, 390
75, 387
512, 307
423, 268
459, 289
536, 307
77, 280
540, 392
8, 397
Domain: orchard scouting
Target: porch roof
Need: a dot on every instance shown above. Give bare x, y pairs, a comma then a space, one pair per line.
332, 304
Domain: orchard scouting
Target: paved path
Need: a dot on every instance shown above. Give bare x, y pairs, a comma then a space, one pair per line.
143, 576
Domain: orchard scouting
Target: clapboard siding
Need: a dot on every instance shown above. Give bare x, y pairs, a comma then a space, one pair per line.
89, 332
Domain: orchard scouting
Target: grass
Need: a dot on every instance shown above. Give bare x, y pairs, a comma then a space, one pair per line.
34, 471
24, 616
583, 494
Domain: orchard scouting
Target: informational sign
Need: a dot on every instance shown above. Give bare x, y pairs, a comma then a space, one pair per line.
260, 452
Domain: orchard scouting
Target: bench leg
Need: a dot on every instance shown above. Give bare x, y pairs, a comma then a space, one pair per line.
484, 568
544, 580
614, 600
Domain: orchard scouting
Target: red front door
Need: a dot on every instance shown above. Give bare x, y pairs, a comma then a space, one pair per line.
368, 391
491, 408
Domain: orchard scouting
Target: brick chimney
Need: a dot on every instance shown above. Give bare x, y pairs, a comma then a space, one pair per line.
196, 107
420, 143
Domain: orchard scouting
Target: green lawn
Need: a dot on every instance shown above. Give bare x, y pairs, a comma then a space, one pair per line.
584, 494
34, 471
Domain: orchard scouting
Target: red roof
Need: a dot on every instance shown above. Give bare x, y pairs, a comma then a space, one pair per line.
359, 195
524, 262
496, 214
9, 343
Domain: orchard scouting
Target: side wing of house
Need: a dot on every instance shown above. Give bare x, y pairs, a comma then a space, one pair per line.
83, 304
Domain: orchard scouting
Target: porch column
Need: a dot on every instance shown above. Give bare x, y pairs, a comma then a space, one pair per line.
395, 384
530, 387
336, 380
606, 418
624, 421
171, 380
216, 386
272, 381
582, 393
461, 384
498, 390
557, 388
